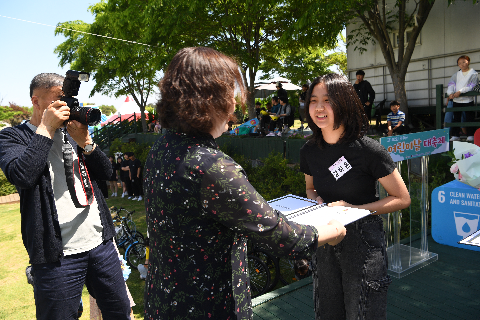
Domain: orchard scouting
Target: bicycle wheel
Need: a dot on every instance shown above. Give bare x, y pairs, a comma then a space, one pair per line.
259, 276
272, 265
135, 254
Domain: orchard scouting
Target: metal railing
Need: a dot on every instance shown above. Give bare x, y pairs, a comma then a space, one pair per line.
111, 131
440, 107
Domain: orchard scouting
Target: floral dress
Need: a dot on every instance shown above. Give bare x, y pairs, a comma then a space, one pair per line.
200, 211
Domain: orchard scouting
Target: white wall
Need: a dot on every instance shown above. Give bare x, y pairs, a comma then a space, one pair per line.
448, 33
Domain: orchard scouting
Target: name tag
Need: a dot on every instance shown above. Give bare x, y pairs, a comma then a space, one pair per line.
339, 168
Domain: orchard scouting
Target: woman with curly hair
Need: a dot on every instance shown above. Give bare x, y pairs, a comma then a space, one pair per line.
200, 206
342, 167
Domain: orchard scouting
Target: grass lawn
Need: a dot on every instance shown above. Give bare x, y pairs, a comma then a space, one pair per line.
17, 301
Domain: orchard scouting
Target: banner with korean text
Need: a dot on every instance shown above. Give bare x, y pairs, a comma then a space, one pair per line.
414, 145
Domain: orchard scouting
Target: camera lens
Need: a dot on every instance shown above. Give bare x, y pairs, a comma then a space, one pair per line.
86, 115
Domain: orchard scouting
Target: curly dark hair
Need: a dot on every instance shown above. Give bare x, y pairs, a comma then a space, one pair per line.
197, 90
347, 109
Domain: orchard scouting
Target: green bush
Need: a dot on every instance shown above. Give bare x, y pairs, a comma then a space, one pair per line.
6, 187
274, 177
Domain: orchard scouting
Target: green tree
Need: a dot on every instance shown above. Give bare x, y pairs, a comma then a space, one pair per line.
119, 68
107, 110
247, 30
303, 64
324, 19
14, 114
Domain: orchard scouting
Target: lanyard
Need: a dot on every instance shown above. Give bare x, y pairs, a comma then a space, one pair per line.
67, 151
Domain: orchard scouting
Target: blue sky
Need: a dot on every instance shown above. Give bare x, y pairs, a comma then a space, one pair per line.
27, 48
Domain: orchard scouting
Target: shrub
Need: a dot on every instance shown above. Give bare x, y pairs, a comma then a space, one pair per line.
6, 187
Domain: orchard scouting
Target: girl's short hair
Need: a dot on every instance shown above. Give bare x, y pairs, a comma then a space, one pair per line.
197, 90
347, 109
464, 57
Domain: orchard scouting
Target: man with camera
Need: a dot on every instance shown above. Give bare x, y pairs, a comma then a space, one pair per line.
69, 243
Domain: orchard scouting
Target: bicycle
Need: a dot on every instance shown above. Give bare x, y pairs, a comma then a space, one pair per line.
131, 241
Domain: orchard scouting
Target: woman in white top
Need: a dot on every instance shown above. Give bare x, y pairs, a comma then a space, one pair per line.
461, 82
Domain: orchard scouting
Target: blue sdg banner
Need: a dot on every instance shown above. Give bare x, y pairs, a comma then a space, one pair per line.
414, 145
245, 128
455, 213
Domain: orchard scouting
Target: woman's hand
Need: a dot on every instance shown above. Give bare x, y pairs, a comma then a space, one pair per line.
319, 199
340, 203
341, 232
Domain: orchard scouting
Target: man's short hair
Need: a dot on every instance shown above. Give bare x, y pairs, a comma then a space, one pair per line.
305, 86
275, 98
360, 72
394, 103
46, 81
284, 99
258, 103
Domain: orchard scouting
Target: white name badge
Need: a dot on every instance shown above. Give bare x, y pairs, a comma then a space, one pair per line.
339, 168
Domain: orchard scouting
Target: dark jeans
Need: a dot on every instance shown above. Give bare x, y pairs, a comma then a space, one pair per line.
469, 117
350, 280
58, 286
136, 187
368, 111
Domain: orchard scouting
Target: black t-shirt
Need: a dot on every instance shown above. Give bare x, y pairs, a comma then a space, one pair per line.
361, 164
134, 165
125, 163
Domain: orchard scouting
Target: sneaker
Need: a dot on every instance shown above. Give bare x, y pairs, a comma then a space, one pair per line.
113, 194
134, 199
123, 195
140, 198
454, 138
129, 197
470, 139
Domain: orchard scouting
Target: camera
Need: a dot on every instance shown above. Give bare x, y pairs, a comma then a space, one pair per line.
71, 84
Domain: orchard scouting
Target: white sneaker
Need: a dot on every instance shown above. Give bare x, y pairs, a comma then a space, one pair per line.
140, 198
134, 199
113, 194
129, 197
470, 139
123, 195
454, 138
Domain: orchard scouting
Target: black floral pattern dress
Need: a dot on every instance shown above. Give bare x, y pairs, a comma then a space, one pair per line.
200, 211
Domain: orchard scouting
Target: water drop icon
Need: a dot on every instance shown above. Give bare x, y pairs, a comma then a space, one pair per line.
466, 228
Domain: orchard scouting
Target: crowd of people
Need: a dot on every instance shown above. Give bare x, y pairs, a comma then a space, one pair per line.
200, 206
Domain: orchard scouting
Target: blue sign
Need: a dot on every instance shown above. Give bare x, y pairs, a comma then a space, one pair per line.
455, 213
414, 145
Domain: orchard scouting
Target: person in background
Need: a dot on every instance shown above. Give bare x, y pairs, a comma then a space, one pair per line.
135, 167
461, 82
273, 112
113, 178
365, 93
284, 114
125, 176
66, 226
342, 167
395, 119
200, 206
301, 109
282, 93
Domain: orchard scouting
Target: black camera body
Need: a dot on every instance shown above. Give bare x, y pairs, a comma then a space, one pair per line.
71, 84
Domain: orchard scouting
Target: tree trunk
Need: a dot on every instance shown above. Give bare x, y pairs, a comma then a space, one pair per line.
251, 94
398, 81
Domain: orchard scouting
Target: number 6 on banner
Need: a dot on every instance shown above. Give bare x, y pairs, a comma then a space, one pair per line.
441, 196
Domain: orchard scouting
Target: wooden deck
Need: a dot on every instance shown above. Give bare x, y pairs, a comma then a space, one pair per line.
446, 289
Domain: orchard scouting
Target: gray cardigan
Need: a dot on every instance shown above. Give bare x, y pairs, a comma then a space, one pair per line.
23, 159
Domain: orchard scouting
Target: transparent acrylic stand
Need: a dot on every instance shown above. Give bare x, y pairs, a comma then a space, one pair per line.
403, 257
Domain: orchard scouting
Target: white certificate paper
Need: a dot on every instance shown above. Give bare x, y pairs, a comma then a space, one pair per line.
306, 211
473, 239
